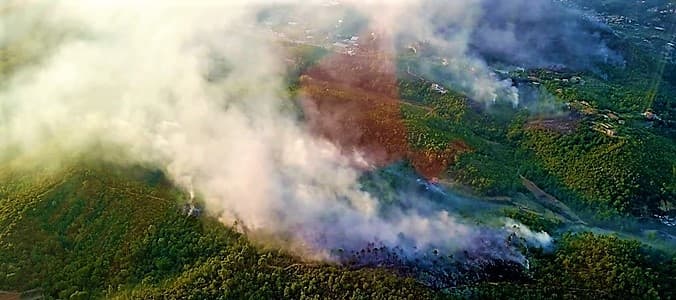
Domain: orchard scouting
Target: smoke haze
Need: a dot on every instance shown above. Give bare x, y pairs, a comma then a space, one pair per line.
135, 75
537, 34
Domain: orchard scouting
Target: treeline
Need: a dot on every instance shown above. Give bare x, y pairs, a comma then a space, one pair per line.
590, 266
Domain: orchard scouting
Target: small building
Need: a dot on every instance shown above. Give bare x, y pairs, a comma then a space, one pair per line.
609, 132
340, 45
192, 210
439, 88
605, 128
413, 49
651, 116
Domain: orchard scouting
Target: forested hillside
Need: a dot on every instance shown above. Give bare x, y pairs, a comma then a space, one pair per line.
96, 230
182, 153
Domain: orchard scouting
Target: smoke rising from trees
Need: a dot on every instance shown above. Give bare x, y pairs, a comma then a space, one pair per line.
135, 76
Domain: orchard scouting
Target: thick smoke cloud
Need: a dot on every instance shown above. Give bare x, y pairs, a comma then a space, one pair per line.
536, 34
140, 76
447, 27
470, 34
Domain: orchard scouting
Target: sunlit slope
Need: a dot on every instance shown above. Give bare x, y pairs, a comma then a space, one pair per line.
77, 227
94, 229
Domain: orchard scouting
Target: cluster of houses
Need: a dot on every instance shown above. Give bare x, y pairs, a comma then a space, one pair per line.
606, 120
652, 31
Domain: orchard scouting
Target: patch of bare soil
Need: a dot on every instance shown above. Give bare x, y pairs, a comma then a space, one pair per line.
562, 124
353, 101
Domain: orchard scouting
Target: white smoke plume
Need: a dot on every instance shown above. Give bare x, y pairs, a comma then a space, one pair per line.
134, 74
538, 239
467, 34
